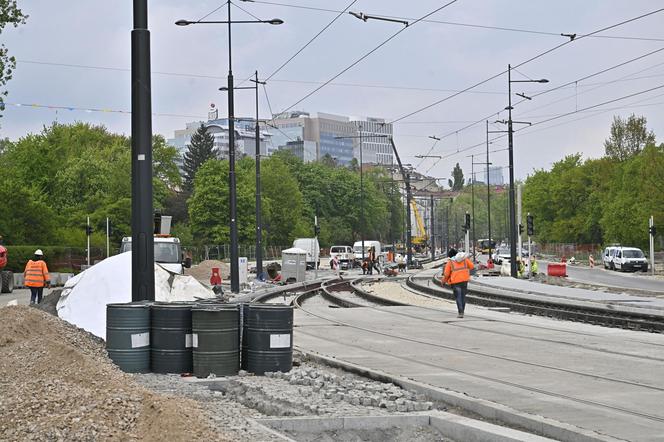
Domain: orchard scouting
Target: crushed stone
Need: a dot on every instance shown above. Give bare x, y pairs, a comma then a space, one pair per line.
57, 383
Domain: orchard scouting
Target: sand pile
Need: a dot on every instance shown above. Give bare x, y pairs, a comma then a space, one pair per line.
56, 383
203, 271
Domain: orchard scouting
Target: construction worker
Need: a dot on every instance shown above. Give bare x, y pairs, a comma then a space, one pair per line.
457, 274
36, 276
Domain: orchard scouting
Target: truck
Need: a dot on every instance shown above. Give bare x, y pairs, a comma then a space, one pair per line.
312, 248
167, 252
6, 276
357, 249
345, 256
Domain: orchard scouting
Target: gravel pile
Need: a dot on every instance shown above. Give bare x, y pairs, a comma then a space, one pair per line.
395, 292
203, 271
56, 383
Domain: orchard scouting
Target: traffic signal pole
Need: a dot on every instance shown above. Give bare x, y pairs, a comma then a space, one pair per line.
652, 231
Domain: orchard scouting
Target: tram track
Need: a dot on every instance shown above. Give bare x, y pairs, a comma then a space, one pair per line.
300, 300
576, 313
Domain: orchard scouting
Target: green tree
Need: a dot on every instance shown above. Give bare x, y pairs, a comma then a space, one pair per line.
628, 137
457, 181
12, 15
201, 149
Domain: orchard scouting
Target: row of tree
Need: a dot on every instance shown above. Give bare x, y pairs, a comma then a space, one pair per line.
55, 179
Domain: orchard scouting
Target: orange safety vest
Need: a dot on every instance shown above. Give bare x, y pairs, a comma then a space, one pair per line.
456, 272
36, 273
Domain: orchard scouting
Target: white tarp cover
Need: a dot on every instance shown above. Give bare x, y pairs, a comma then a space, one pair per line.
84, 297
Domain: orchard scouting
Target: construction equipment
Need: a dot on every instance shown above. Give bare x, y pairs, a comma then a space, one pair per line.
6, 276
421, 239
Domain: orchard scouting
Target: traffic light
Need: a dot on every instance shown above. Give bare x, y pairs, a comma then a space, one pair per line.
466, 225
316, 230
652, 230
530, 225
88, 230
520, 229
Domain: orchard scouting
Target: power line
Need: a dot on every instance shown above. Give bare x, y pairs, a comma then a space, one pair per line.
553, 89
212, 12
311, 40
535, 57
466, 25
367, 54
93, 109
558, 116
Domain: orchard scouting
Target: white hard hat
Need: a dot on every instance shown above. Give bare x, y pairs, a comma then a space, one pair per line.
39, 252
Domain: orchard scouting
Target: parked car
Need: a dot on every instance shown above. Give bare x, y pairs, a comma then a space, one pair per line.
313, 250
344, 254
630, 258
607, 257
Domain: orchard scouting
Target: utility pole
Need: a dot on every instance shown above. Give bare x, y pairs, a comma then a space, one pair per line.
520, 226
488, 188
259, 233
432, 231
88, 232
653, 231
142, 251
108, 236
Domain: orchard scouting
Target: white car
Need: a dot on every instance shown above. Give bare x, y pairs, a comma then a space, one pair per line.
501, 255
629, 258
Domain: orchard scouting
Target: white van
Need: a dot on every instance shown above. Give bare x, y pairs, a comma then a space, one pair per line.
313, 250
344, 254
607, 257
357, 249
629, 258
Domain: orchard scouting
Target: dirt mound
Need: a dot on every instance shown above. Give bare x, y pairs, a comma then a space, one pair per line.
203, 271
58, 384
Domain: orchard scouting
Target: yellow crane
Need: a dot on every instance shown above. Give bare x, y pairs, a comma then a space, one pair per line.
422, 238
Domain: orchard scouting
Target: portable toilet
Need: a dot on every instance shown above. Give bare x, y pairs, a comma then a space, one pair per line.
293, 264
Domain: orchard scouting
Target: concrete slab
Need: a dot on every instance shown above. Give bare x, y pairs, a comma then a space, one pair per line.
606, 381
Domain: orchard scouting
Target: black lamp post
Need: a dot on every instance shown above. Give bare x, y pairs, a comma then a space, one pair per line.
259, 235
510, 136
235, 276
142, 223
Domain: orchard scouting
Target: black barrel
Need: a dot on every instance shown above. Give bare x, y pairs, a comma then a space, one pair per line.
216, 340
170, 338
128, 336
267, 338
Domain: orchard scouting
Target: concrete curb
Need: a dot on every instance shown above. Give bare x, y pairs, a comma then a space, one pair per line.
450, 425
488, 410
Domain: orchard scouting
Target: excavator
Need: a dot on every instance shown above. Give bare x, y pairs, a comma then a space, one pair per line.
420, 240
6, 277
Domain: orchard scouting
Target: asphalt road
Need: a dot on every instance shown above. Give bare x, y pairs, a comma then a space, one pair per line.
22, 296
612, 278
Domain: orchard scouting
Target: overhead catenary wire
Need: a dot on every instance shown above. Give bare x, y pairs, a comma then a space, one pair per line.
467, 25
531, 59
585, 109
356, 62
585, 77
342, 12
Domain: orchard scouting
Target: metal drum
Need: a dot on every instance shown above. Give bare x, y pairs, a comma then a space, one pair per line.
170, 338
128, 336
216, 340
267, 338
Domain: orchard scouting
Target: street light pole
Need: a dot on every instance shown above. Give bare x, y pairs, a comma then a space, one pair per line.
142, 255
488, 187
510, 137
259, 234
232, 198
361, 193
235, 275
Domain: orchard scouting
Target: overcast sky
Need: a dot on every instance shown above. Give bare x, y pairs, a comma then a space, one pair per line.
423, 64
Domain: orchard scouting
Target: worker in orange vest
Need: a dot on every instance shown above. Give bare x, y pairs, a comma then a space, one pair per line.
36, 276
457, 274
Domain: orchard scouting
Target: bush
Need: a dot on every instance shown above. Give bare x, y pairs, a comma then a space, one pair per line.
58, 258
